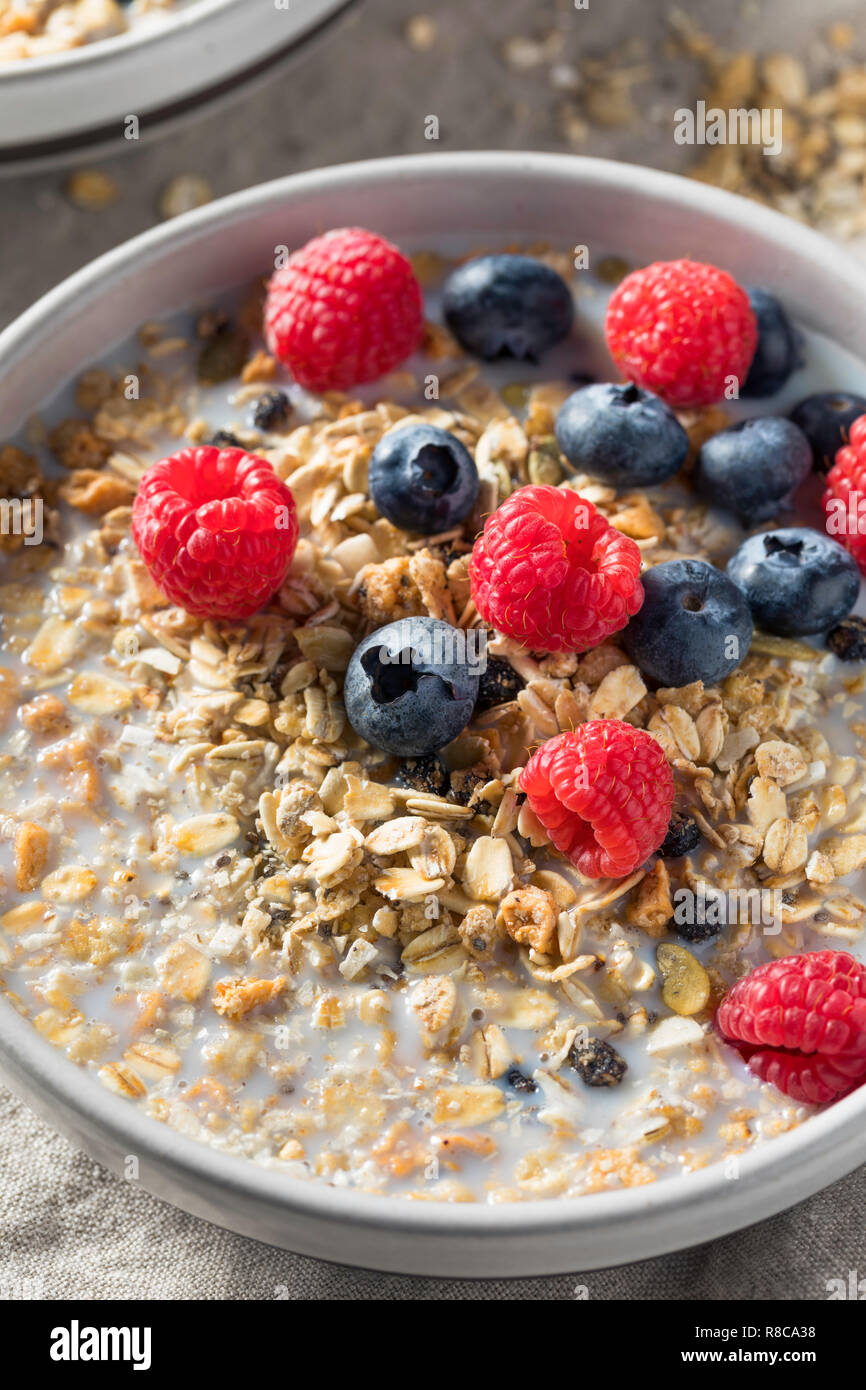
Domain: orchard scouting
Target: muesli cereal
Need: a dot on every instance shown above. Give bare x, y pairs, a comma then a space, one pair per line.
35, 28
444, 923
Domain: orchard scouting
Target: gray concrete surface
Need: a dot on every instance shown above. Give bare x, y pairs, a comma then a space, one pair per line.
361, 93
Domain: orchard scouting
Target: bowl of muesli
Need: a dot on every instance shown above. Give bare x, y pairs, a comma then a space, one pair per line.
432, 688
92, 73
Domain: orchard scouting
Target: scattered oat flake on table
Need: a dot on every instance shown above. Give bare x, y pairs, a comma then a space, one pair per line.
421, 32
841, 36
183, 193
91, 189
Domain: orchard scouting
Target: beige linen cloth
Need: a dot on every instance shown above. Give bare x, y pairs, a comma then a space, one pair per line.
69, 1230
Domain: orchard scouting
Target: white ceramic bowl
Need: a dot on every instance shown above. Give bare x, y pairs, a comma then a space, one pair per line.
159, 69
613, 209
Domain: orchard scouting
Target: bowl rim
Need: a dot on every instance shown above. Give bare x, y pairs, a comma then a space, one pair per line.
60, 106
836, 1133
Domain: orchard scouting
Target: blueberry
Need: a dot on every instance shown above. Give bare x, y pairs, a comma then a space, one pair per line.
507, 306
683, 836
224, 439
423, 479
825, 419
622, 434
754, 467
780, 348
409, 689
848, 640
272, 410
694, 624
499, 684
797, 581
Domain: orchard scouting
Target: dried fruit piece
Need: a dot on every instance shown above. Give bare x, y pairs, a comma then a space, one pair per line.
683, 836
596, 1062
499, 683
427, 775
848, 639
519, 1081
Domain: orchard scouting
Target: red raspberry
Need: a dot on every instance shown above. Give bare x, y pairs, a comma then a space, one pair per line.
603, 794
551, 572
846, 489
344, 309
681, 328
800, 1022
216, 529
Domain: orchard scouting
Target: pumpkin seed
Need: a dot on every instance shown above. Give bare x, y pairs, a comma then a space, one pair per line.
223, 356
686, 986
545, 465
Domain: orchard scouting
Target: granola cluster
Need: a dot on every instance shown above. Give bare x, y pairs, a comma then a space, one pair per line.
287, 944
